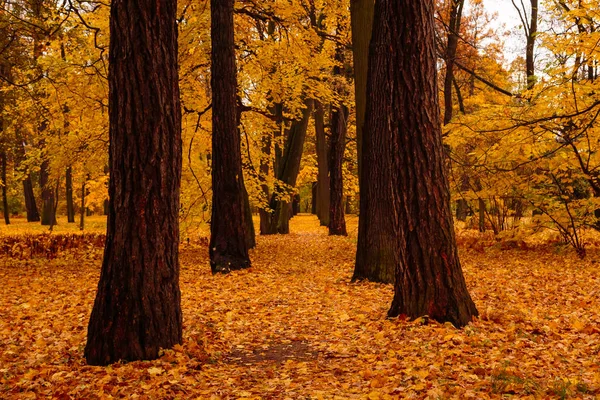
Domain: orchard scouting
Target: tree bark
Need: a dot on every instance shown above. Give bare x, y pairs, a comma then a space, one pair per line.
250, 233
361, 21
289, 167
402, 126
69, 195
481, 215
228, 247
4, 188
82, 209
337, 147
322, 165
456, 7
48, 215
137, 310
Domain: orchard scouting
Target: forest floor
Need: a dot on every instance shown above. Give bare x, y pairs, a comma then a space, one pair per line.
294, 327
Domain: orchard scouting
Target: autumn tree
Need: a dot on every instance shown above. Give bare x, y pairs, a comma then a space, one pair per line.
402, 127
137, 310
228, 246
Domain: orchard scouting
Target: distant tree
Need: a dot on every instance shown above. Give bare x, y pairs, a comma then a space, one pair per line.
228, 242
137, 310
404, 160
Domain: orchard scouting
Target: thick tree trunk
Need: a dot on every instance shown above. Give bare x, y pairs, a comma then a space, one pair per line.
228, 247
48, 216
323, 195
402, 127
313, 207
361, 20
69, 195
138, 306
4, 188
289, 167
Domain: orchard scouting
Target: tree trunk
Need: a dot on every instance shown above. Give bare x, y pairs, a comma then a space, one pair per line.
361, 20
337, 146
30, 205
323, 195
250, 233
289, 167
402, 127
48, 216
4, 188
138, 306
228, 247
69, 195
82, 210
462, 208
481, 215
456, 7
313, 209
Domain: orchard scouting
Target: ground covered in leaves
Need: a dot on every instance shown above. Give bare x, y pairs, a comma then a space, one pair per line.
294, 327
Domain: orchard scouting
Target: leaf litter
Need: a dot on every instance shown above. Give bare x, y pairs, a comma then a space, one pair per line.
294, 327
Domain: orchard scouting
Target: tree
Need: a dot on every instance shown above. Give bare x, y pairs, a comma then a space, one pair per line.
361, 19
402, 127
137, 310
228, 243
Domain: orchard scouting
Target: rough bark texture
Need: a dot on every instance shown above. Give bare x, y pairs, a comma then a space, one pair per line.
361, 20
228, 242
69, 195
322, 200
403, 115
4, 187
138, 306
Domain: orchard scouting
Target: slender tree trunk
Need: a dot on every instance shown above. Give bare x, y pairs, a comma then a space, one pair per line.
137, 310
228, 247
456, 7
361, 20
4, 188
530, 46
289, 167
82, 210
69, 195
481, 215
403, 127
337, 147
322, 165
250, 233
313, 209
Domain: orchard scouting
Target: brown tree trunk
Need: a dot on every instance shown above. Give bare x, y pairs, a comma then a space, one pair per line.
138, 306
323, 195
403, 127
456, 7
228, 247
337, 146
4, 188
30, 205
361, 20
250, 233
313, 208
69, 195
481, 215
48, 216
82, 209
289, 167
